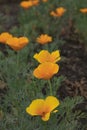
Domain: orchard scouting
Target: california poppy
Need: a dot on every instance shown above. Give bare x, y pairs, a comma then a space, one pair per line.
44, 39
83, 10
4, 37
29, 3
44, 0
45, 56
46, 70
58, 12
26, 4
17, 43
43, 108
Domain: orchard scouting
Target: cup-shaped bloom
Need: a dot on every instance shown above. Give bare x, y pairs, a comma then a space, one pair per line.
17, 43
4, 37
26, 4
46, 70
58, 12
29, 3
44, 0
44, 39
45, 56
43, 107
83, 10
35, 2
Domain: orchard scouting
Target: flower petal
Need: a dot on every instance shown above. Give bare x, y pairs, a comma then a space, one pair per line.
23, 41
58, 12
17, 43
44, 39
43, 56
42, 107
5, 36
51, 103
46, 70
36, 107
83, 10
26, 4
55, 56
46, 117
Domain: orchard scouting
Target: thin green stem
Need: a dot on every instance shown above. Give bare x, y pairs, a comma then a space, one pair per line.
17, 65
17, 60
50, 87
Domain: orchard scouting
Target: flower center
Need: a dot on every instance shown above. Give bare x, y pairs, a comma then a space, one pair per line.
43, 114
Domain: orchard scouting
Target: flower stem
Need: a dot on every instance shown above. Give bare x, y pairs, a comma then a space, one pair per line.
17, 60
17, 64
50, 87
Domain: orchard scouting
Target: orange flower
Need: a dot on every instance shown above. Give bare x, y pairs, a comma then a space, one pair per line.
35, 2
83, 10
58, 12
45, 56
46, 70
44, 39
44, 0
26, 4
4, 37
17, 43
43, 108
29, 3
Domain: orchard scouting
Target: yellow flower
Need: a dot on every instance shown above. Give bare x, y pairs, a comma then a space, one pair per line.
46, 70
45, 56
17, 43
58, 12
4, 37
83, 10
43, 108
43, 39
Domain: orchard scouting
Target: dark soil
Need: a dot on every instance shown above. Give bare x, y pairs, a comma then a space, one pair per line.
8, 16
74, 68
